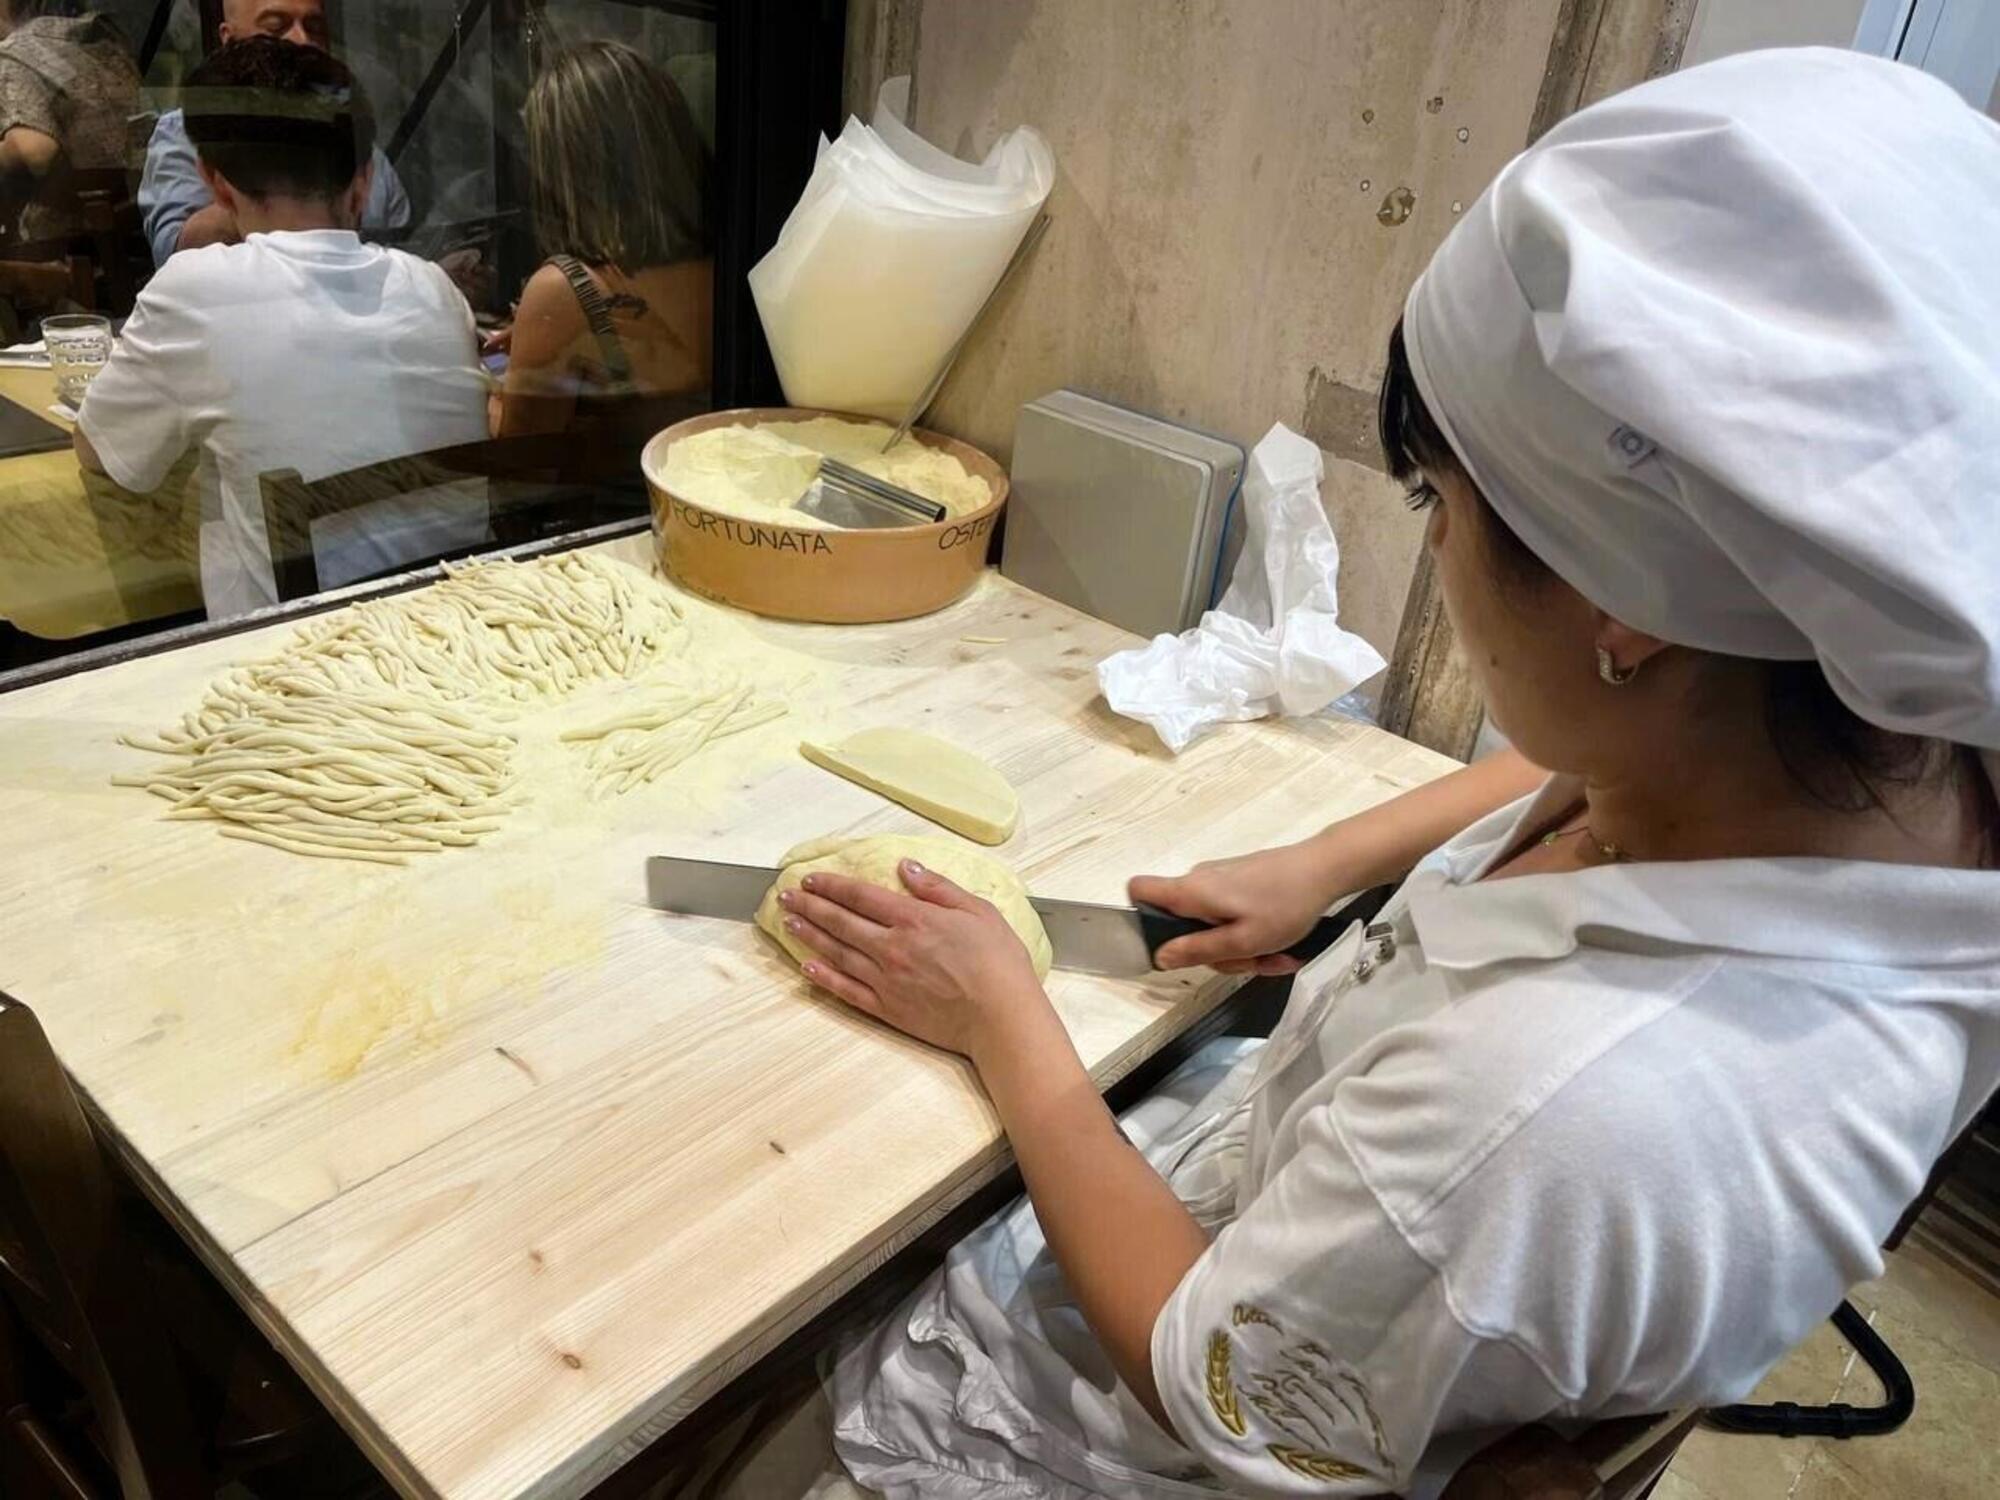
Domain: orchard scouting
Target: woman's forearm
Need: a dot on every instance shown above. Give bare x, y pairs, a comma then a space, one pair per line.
1383, 844
1122, 1238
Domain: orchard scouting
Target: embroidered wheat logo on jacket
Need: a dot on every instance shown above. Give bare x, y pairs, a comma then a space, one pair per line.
1222, 1394
1311, 1404
1317, 1465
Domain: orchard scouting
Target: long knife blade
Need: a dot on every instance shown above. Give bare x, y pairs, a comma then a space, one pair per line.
1112, 940
707, 887
1095, 939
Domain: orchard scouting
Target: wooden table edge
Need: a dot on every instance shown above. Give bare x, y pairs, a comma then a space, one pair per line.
1206, 1015
677, 1403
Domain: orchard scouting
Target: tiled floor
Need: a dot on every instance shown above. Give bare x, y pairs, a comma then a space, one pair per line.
1946, 1330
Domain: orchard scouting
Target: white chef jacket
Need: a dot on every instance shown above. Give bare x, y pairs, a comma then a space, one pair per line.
1574, 1145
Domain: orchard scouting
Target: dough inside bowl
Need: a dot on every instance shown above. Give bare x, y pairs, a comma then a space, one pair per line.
875, 860
761, 473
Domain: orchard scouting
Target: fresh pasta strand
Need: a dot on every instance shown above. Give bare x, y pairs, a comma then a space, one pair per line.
380, 731
669, 728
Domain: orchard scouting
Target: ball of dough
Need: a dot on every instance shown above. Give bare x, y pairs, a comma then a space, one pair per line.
875, 860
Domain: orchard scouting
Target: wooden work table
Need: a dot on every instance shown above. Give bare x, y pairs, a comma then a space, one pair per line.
515, 1170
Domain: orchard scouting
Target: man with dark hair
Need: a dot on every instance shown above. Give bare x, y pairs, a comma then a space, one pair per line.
298, 348
285, 127
180, 213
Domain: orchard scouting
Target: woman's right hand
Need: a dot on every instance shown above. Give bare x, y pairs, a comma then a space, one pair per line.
1261, 904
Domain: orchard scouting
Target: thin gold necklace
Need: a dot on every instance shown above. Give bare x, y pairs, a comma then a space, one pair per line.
1606, 850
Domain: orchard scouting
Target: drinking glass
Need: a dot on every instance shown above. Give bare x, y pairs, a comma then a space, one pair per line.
79, 344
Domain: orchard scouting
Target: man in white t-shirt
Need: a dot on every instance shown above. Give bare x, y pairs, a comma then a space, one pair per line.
300, 348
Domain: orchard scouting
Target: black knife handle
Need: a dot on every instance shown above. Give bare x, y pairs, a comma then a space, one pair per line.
1162, 927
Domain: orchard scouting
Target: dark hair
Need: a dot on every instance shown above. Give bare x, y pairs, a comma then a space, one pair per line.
1836, 757
1411, 438
32, 10
621, 177
279, 120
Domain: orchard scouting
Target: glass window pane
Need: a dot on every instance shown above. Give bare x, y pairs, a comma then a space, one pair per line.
330, 364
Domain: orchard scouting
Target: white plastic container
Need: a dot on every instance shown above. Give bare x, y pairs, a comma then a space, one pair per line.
888, 256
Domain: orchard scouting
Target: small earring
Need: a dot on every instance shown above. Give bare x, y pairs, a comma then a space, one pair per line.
1610, 671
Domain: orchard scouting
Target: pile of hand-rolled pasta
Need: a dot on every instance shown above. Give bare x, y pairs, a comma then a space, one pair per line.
344, 773
382, 731
497, 630
667, 726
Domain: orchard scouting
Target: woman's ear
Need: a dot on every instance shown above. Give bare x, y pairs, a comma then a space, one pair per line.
1629, 649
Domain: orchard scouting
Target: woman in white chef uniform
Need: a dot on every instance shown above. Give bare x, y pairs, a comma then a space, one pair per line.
1637, 1072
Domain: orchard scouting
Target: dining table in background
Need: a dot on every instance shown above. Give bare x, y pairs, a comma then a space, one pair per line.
78, 554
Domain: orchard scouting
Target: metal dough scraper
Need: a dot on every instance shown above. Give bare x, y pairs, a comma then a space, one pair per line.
845, 496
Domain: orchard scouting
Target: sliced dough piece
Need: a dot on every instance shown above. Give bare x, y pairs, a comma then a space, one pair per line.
928, 776
875, 860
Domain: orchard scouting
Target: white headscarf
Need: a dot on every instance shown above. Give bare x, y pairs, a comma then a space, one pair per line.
1724, 350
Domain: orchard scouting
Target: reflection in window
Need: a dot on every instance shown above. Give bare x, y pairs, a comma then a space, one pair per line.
612, 336
462, 344
69, 89
289, 345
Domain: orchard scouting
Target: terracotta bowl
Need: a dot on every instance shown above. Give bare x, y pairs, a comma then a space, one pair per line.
803, 573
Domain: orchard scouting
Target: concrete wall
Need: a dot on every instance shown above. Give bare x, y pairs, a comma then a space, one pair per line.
1725, 26
1246, 192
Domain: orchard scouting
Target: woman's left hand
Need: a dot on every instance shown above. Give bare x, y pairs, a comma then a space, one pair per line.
937, 962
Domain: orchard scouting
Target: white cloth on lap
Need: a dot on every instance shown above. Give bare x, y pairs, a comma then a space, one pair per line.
988, 1382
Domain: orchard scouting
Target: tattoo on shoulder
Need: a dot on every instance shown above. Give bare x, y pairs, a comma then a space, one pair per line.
628, 302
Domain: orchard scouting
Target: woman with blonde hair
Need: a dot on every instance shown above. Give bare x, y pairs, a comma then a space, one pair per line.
612, 336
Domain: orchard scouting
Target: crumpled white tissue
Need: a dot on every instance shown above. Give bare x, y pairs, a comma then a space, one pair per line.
1274, 644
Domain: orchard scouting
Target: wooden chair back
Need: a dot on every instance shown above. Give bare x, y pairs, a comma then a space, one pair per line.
520, 473
67, 1272
106, 257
